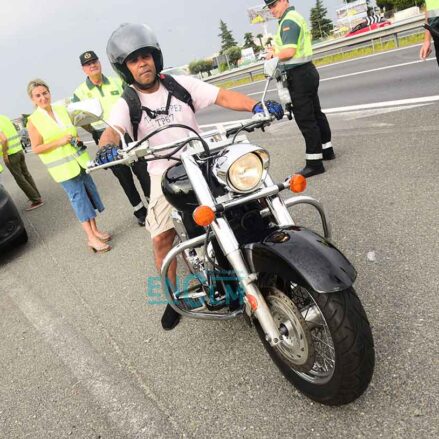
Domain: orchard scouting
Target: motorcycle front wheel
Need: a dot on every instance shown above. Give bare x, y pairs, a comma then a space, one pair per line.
327, 349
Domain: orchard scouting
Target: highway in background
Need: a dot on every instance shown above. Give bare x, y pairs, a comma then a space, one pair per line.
382, 77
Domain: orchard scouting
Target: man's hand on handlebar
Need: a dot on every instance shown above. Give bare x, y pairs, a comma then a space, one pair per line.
273, 108
109, 153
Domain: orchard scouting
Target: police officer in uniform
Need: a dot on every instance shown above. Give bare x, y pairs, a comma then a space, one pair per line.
293, 48
108, 90
431, 29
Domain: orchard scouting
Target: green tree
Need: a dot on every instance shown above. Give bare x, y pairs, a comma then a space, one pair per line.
259, 37
233, 54
201, 66
226, 36
320, 25
404, 4
248, 41
388, 4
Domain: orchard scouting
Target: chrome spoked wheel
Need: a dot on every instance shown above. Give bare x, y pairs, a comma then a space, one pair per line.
324, 360
327, 346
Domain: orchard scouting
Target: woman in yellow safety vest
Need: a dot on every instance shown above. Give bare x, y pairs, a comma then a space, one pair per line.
54, 138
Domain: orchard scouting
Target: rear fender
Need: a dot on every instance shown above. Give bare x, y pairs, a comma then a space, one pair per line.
302, 256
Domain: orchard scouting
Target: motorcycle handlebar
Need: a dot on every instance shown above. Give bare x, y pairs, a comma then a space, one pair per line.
260, 122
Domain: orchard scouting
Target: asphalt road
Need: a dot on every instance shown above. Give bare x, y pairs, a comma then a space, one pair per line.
385, 76
82, 353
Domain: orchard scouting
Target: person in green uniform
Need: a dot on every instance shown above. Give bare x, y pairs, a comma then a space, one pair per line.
13, 156
431, 29
54, 138
108, 90
292, 45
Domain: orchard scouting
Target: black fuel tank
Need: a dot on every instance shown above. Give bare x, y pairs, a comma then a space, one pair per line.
178, 190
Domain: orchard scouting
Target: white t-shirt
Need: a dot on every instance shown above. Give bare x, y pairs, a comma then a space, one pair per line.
203, 95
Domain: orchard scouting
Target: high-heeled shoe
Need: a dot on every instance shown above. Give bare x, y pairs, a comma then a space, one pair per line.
104, 237
99, 249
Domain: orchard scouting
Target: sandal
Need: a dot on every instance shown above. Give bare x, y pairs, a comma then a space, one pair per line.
99, 249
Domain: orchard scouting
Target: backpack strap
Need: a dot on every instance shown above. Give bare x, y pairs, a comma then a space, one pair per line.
135, 107
177, 90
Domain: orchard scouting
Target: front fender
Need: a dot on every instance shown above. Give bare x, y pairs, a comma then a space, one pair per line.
302, 256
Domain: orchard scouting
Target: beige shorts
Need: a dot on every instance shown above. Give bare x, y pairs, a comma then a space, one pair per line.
158, 219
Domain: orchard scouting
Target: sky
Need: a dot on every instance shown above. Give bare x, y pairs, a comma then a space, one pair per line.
44, 38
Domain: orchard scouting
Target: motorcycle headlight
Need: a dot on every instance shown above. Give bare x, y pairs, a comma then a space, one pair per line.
245, 174
242, 167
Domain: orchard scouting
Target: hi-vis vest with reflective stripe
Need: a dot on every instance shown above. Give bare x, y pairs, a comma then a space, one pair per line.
1, 168
304, 48
432, 8
108, 94
64, 162
8, 129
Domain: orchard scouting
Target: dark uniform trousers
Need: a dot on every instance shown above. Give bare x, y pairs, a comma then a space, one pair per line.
436, 48
124, 174
303, 85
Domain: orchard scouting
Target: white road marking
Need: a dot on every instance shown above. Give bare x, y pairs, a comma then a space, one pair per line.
134, 414
384, 104
396, 105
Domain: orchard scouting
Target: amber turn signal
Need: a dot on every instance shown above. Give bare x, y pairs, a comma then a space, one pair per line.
297, 183
203, 216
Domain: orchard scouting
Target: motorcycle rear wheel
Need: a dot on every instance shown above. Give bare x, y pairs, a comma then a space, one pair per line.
336, 337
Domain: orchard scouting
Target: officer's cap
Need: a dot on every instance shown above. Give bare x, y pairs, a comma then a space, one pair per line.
87, 57
269, 2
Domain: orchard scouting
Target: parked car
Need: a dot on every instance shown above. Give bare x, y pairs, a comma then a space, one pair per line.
366, 26
12, 230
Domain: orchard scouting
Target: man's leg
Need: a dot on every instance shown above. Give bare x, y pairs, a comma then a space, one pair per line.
162, 244
27, 175
436, 49
303, 84
140, 168
325, 130
125, 177
15, 167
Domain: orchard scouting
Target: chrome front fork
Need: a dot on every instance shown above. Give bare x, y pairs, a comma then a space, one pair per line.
255, 302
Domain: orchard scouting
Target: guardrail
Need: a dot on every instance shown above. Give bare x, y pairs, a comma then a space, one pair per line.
322, 49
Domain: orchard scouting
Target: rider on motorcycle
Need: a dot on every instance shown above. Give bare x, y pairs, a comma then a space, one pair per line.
135, 54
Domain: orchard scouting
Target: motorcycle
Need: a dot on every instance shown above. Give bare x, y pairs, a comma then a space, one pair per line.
247, 257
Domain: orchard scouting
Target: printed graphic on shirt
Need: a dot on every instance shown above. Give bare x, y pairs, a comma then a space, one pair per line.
162, 119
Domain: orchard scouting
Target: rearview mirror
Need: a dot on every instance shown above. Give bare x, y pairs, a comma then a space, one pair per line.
270, 67
85, 112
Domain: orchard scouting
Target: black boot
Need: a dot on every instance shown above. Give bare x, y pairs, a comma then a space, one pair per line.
328, 151
328, 154
170, 318
312, 167
141, 216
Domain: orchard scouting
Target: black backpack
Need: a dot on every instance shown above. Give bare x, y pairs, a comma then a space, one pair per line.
132, 99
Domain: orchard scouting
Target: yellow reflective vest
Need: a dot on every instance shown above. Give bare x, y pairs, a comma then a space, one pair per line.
8, 129
64, 162
108, 94
303, 48
432, 8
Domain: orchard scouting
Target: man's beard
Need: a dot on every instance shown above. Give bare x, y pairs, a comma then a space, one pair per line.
145, 86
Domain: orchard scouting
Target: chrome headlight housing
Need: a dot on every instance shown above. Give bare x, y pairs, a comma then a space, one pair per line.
242, 167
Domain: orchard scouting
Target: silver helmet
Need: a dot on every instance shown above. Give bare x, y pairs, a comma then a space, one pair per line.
125, 40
